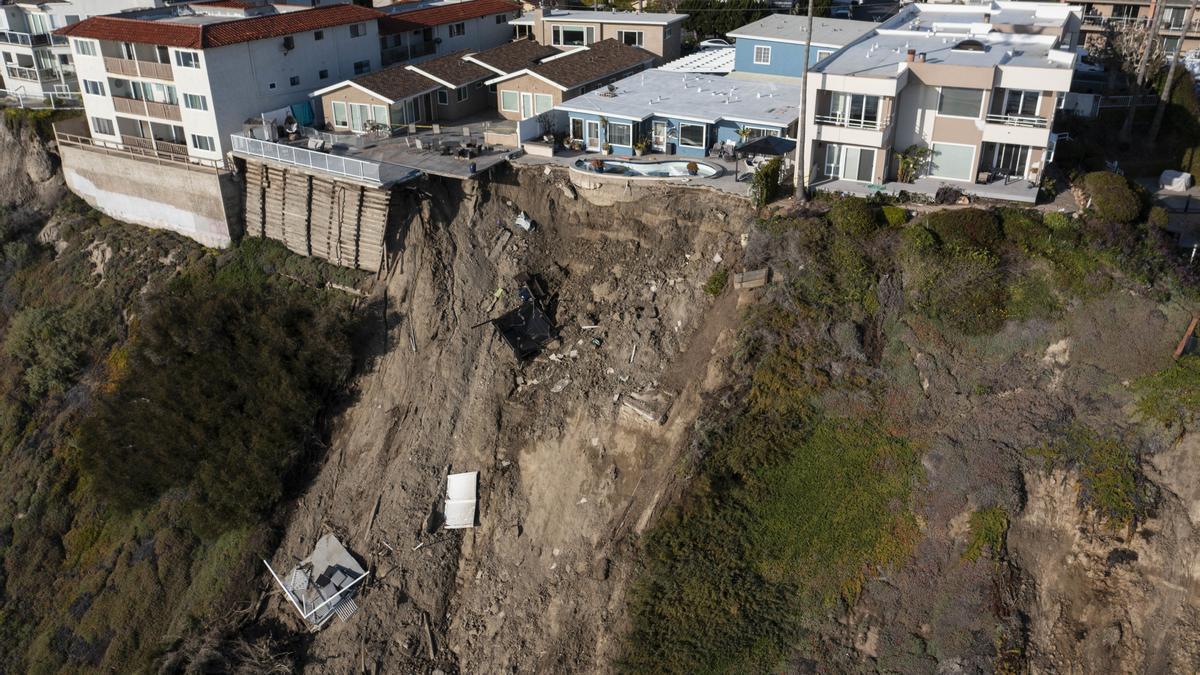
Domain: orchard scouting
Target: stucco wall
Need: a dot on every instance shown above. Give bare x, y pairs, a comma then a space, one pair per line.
200, 205
532, 85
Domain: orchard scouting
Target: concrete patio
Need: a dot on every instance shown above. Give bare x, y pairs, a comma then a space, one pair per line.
1015, 191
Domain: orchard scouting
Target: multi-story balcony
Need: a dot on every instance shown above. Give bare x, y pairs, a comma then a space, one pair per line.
1028, 121
133, 106
849, 122
157, 145
31, 74
9, 37
138, 68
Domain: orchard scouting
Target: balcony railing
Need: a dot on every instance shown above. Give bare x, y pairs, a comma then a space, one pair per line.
162, 147
850, 122
1128, 22
136, 68
133, 106
32, 74
9, 37
1027, 121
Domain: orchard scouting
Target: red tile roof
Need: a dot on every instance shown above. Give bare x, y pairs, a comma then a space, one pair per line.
439, 15
230, 32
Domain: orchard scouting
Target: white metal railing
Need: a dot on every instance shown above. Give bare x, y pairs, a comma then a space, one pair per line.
1126, 22
147, 154
53, 100
25, 39
1028, 121
850, 122
31, 74
334, 164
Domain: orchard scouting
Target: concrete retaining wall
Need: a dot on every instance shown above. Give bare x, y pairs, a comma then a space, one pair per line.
199, 204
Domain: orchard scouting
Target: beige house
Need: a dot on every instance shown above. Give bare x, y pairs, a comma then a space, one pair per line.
657, 33
975, 86
443, 89
536, 89
387, 98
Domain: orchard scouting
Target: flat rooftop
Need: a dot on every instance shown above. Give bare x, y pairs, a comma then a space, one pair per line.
589, 16
939, 17
883, 54
690, 96
791, 28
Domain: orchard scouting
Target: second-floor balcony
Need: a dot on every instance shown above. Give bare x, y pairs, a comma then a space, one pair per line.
138, 68
1026, 121
851, 122
133, 106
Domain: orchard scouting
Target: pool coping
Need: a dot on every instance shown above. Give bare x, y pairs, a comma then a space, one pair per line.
720, 170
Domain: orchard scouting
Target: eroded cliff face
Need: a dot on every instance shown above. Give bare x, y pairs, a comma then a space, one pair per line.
1105, 601
31, 181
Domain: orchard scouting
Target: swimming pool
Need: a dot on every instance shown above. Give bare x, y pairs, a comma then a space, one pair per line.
668, 168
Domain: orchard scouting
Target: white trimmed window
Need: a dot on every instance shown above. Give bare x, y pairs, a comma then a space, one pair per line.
822, 53
93, 87
86, 47
572, 36
339, 114
203, 143
632, 38
458, 29
443, 97
762, 55
620, 134
691, 135
103, 126
186, 59
542, 103
195, 102
510, 101
461, 94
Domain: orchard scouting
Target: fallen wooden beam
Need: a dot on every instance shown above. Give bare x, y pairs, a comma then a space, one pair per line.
1187, 337
752, 279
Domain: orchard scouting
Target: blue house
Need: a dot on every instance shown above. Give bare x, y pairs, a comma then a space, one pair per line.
684, 114
775, 44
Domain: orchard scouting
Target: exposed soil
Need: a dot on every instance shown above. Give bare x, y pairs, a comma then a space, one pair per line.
566, 477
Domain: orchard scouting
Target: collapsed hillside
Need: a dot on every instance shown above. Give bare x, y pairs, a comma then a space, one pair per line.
954, 411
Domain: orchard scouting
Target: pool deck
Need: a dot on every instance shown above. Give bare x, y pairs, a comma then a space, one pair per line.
726, 182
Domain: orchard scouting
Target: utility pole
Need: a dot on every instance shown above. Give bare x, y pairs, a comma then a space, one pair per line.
1166, 92
801, 169
1155, 21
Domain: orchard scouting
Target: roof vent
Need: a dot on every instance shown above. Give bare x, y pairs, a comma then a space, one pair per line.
969, 46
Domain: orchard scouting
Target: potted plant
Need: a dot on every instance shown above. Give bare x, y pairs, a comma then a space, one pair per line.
693, 168
597, 165
608, 148
640, 146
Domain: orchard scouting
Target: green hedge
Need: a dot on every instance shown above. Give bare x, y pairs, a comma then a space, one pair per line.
854, 216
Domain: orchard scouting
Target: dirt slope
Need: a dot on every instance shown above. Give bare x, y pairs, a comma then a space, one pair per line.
565, 479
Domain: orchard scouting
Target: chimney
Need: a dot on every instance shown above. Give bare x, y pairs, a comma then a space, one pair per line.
921, 57
912, 55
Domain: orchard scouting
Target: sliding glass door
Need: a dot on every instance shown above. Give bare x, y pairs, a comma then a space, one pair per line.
848, 162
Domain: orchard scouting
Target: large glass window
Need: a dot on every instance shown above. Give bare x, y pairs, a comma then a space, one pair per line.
691, 135
339, 114
510, 101
620, 133
542, 103
93, 87
762, 55
956, 162
960, 102
85, 47
572, 36
195, 102
1023, 103
630, 37
576, 127
104, 126
854, 110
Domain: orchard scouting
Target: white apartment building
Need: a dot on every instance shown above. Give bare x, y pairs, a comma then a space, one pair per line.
178, 80
36, 62
977, 85
415, 32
